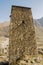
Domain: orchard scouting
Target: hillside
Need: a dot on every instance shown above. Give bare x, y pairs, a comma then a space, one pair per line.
4, 29
40, 21
39, 32
39, 36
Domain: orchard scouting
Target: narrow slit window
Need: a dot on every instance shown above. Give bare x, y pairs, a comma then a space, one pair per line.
23, 21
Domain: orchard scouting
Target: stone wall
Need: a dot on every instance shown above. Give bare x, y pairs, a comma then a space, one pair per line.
22, 34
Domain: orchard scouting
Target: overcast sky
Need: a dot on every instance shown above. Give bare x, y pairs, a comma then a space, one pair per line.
5, 8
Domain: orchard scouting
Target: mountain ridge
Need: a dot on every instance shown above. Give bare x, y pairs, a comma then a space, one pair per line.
38, 22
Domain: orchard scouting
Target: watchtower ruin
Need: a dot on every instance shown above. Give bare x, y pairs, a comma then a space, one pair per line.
22, 33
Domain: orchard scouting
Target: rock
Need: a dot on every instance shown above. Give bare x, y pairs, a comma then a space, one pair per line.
37, 60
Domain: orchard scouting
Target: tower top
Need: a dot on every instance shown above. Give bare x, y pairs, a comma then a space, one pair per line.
21, 7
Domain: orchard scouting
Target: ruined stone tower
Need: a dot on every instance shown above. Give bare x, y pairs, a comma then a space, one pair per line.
22, 33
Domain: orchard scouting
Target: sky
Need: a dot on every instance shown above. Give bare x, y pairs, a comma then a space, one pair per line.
5, 8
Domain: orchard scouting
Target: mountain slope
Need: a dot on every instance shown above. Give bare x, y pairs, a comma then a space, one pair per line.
40, 21
39, 32
4, 29
36, 23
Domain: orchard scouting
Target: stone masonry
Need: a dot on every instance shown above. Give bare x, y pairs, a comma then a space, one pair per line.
22, 34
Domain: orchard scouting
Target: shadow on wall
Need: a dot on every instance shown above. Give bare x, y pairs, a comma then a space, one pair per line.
4, 63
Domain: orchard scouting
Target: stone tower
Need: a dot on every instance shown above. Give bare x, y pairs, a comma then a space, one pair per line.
22, 33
